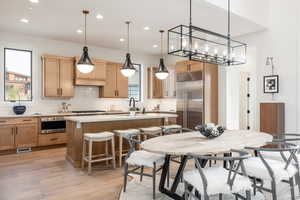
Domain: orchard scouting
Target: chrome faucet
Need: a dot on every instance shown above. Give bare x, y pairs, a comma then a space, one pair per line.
132, 101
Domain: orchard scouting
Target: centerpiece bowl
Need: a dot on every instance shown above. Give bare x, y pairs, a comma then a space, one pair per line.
210, 130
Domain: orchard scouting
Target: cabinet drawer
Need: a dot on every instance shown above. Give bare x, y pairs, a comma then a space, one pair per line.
19, 120
51, 139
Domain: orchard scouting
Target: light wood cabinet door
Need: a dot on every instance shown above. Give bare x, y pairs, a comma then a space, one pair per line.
155, 85
181, 67
100, 69
109, 90
195, 66
26, 135
7, 137
51, 77
67, 77
122, 83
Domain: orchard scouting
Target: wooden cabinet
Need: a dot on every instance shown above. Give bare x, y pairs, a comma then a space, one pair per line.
95, 78
18, 133
272, 117
52, 139
155, 85
116, 84
188, 66
58, 76
169, 84
7, 137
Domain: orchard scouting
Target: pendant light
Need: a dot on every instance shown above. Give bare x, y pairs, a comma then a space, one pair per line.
85, 64
128, 68
162, 72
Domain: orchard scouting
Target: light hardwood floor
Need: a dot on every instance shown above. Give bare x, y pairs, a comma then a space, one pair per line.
46, 175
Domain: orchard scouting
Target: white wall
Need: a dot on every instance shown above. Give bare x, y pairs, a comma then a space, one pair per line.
281, 41
253, 10
85, 97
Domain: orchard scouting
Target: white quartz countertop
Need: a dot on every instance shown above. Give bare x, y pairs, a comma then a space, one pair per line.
103, 118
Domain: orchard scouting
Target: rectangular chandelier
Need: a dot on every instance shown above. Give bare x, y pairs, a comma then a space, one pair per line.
202, 45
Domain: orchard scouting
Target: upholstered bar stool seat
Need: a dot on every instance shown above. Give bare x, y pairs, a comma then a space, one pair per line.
174, 128
154, 130
121, 134
87, 156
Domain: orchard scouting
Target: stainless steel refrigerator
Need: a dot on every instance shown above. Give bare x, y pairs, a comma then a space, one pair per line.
189, 94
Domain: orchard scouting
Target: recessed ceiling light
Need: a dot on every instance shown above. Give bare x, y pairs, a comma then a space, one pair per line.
99, 16
24, 20
155, 46
34, 1
30, 8
79, 31
146, 28
122, 39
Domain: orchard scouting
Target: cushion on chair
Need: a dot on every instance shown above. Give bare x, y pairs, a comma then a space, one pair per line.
127, 131
95, 136
151, 129
144, 158
255, 167
172, 126
217, 181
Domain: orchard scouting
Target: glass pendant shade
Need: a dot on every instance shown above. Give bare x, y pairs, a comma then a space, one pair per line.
162, 72
128, 68
85, 64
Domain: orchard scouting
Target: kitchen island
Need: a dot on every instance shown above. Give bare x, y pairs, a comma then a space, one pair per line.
77, 126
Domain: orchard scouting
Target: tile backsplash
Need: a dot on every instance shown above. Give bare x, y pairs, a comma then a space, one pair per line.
86, 98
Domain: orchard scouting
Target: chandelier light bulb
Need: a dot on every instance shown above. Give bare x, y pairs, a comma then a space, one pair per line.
206, 48
216, 51
184, 43
172, 47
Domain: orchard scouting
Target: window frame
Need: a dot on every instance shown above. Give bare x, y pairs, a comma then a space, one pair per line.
140, 81
4, 74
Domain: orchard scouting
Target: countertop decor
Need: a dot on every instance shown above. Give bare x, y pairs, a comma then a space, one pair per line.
210, 130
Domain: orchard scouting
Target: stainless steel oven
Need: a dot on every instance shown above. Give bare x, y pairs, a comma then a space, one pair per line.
53, 125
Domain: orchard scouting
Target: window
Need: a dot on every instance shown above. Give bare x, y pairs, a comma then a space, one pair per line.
134, 84
18, 75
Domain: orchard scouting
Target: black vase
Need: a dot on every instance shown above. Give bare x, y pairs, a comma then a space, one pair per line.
19, 110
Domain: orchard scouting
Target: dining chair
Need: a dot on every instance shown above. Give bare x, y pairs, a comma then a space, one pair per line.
262, 169
139, 159
211, 181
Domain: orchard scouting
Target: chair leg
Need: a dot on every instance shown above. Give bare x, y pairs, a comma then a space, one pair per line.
254, 186
220, 196
291, 181
142, 173
274, 191
248, 195
186, 191
125, 177
106, 152
168, 177
90, 157
83, 154
113, 152
154, 179
120, 150
297, 177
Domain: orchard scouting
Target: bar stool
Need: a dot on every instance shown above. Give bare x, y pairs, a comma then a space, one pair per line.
90, 138
174, 128
121, 134
154, 130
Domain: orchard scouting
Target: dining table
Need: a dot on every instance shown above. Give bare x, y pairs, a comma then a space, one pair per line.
182, 144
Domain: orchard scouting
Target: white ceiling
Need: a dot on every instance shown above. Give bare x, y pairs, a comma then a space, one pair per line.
59, 19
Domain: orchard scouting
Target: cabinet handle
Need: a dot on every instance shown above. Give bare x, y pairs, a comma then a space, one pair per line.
16, 130
27, 120
57, 91
61, 91
2, 121
53, 139
117, 92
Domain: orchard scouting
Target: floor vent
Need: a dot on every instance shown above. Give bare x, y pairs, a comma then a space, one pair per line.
23, 150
